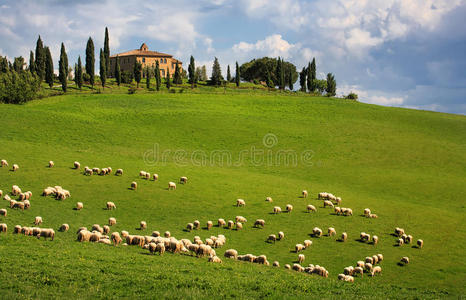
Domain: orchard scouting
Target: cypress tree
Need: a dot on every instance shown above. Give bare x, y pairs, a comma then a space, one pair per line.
331, 85
63, 68
302, 79
216, 78
278, 73
237, 75
313, 75
118, 71
90, 61
148, 77
48, 67
18, 64
79, 74
192, 72
309, 78
290, 80
103, 69
75, 74
204, 73
268, 79
167, 79
177, 76
282, 75
107, 52
228, 74
32, 65
157, 76
137, 72
40, 59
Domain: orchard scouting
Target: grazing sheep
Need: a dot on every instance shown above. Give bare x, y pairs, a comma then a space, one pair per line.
341, 277
106, 229
51, 164
167, 234
328, 203
368, 267
142, 225
221, 222
64, 227
38, 221
3, 227
215, 259
96, 171
373, 216
239, 226
331, 231
79, 205
307, 243
231, 253
77, 165
364, 237
46, 233
104, 240
277, 210
405, 260
240, 202
171, 186
3, 212
344, 237
259, 222
420, 243
400, 242
262, 259
15, 190
147, 176
240, 219
409, 239
276, 264
348, 270
369, 259
3, 163
299, 247
288, 267
119, 172
88, 171
399, 231
111, 205
7, 198
190, 226
184, 180
289, 208
230, 224
15, 168
27, 204
17, 229
155, 233
1, 193
375, 239
337, 210
380, 257
311, 207
358, 270
349, 278
304, 193
142, 174
96, 227
269, 199
134, 185
197, 224
338, 200
301, 258
317, 232
281, 235
347, 211
298, 268
209, 225
272, 238
376, 270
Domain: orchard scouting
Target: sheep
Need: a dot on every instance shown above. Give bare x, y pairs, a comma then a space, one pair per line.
27, 204
88, 171
380, 257
190, 226
81, 229
399, 231
311, 207
328, 203
277, 210
167, 234
338, 200
358, 270
375, 239
307, 243
111, 205
240, 219
95, 236
288, 267
239, 226
420, 243
272, 238
142, 174
344, 237
142, 225
259, 222
1, 193
348, 270
299, 247
134, 185
341, 277
51, 164
64, 227
15, 204
369, 260
17, 229
46, 233
106, 229
96, 227
404, 260
160, 248
317, 232
337, 210
331, 231
124, 234
304, 193
230, 224
197, 224
373, 216
215, 259
104, 240
171, 186
289, 208
147, 177
3, 163
364, 237
7, 198
276, 264
119, 172
3, 227
77, 165
3, 212
79, 205
301, 258
269, 199
347, 211
376, 270
281, 235
15, 168
368, 267
349, 278
298, 268
209, 242
221, 222
262, 259
155, 233
240, 203
96, 171
184, 180
409, 239
209, 225
400, 242
15, 190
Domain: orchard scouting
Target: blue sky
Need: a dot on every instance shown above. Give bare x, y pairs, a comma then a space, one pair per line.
406, 53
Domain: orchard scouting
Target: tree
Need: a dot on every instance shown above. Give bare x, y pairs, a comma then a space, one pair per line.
309, 78
118, 71
321, 85
256, 70
282, 76
63, 68
268, 79
313, 75
216, 78
32, 65
137, 72
103, 68
302, 79
290, 80
40, 59
228, 74
237, 75
148, 75
203, 73
331, 85
177, 76
48, 67
18, 64
107, 52
79, 74
192, 72
157, 76
167, 79
90, 61
3, 65
75, 74
16, 87
278, 73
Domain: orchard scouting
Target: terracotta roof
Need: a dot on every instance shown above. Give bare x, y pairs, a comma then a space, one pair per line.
137, 52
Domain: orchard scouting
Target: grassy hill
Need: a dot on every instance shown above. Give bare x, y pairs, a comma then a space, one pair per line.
407, 166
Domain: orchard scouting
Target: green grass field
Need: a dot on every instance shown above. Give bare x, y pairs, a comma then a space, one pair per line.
407, 166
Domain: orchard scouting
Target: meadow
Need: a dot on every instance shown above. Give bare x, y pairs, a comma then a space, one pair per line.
407, 166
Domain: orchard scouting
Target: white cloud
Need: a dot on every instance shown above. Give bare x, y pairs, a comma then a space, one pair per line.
273, 45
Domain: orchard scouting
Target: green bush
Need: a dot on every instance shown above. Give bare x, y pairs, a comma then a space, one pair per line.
132, 90
352, 96
127, 77
18, 88
86, 77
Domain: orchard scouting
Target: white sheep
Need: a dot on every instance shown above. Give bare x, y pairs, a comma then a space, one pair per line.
79, 205
400, 242
420, 243
38, 221
281, 235
221, 222
272, 238
142, 174
134, 185
276, 264
119, 172
171, 186
111, 221
331, 231
301, 258
209, 225
3, 227
240, 202
110, 205
277, 210
259, 222
147, 177
142, 225
77, 165
376, 270
197, 224
4, 163
269, 199
241, 219
167, 234
230, 224
231, 253
15, 168
64, 227
367, 212
3, 212
399, 231
51, 164
328, 203
46, 233
344, 237
287, 266
405, 260
304, 193
239, 226
299, 247
307, 243
317, 232
289, 208
311, 207
184, 180
375, 239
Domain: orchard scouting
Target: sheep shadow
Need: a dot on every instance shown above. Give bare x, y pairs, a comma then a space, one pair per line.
272, 213
397, 245
360, 241
394, 234
131, 189
400, 264
415, 246
340, 240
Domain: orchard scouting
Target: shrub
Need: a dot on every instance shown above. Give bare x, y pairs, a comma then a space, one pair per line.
127, 77
18, 88
352, 96
86, 77
132, 90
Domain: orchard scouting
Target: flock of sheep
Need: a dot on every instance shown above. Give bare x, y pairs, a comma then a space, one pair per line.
156, 243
